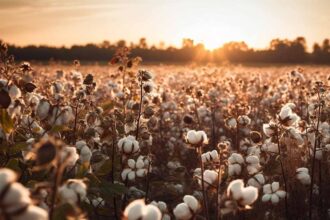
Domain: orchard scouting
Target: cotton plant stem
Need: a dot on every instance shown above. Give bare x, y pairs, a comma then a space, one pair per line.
140, 110
218, 192
114, 137
205, 204
313, 163
283, 175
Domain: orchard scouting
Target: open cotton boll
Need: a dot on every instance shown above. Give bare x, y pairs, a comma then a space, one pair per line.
128, 145
210, 177
210, 156
151, 212
249, 195
253, 164
182, 212
32, 213
137, 210
234, 169
272, 193
234, 189
14, 92
231, 123
43, 109
196, 137
7, 176
80, 144
134, 210
85, 154
69, 154
257, 180
303, 176
192, 202
16, 197
72, 191
236, 158
269, 129
243, 195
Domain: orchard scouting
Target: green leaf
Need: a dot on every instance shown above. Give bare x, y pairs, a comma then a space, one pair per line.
6, 121
105, 168
109, 190
13, 164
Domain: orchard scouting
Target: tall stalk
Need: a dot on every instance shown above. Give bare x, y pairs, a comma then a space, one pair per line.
313, 159
283, 174
140, 110
205, 204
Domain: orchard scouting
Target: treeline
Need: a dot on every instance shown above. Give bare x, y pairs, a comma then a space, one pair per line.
279, 51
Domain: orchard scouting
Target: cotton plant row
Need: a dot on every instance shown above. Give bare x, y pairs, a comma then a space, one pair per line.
198, 143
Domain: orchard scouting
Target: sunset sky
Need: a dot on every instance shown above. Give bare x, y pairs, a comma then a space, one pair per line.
212, 22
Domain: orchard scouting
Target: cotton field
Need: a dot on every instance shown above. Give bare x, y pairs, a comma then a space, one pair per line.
158, 142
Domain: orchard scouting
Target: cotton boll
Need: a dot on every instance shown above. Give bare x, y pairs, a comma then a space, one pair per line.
192, 202
141, 172
274, 199
231, 123
249, 195
234, 169
266, 197
272, 193
125, 172
134, 210
151, 212
210, 177
131, 176
236, 158
80, 144
243, 195
138, 210
14, 92
43, 109
128, 145
196, 137
269, 129
16, 197
131, 163
182, 212
303, 176
72, 191
85, 154
234, 189
69, 154
6, 176
257, 180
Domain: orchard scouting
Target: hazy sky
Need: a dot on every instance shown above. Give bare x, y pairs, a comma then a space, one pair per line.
212, 22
